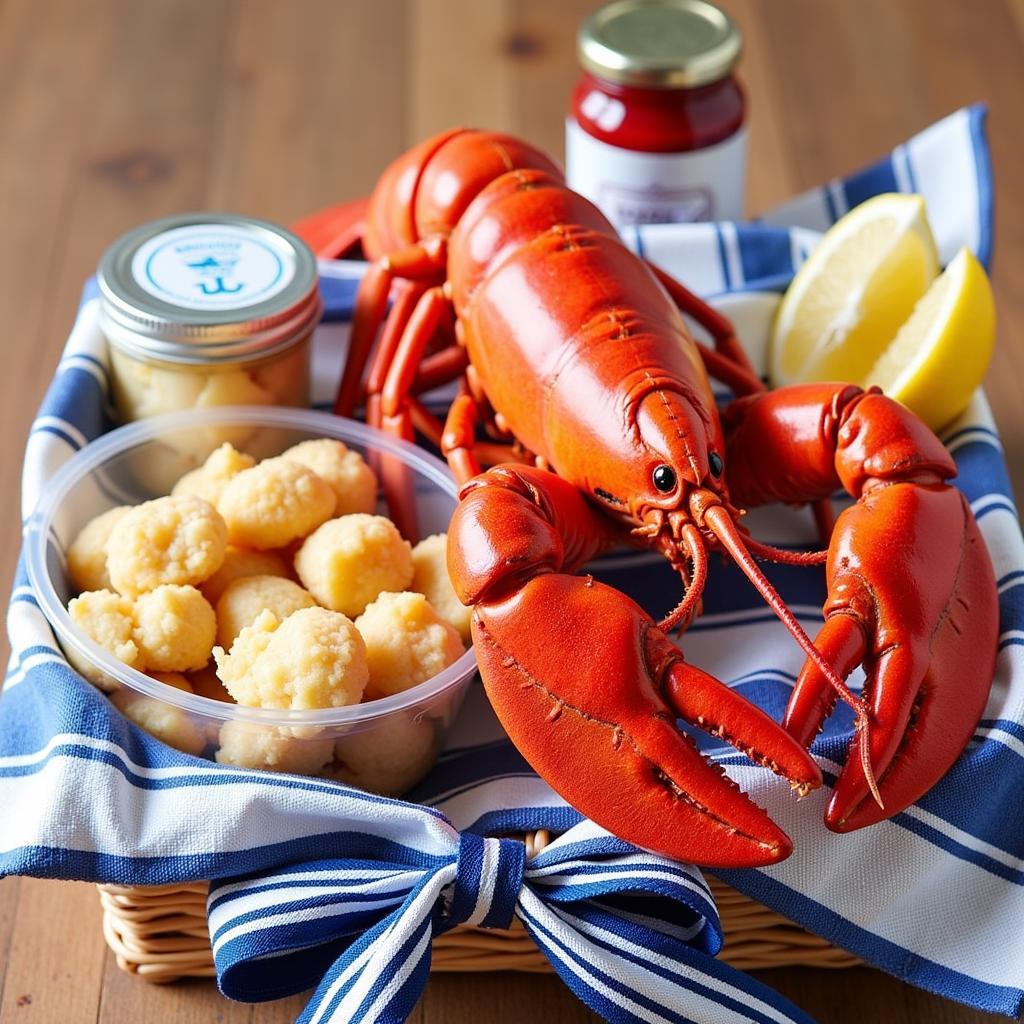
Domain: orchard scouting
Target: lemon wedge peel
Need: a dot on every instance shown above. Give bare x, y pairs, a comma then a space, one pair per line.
939, 357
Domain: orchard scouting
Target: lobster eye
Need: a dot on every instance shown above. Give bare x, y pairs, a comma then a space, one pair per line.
664, 478
715, 464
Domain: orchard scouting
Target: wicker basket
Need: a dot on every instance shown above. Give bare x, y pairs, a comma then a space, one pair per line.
160, 934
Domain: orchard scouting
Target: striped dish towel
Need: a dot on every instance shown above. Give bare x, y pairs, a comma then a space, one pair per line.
319, 886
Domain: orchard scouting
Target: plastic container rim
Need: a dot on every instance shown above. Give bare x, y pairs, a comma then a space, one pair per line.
94, 455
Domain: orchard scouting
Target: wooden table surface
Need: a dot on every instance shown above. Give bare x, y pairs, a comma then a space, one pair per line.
117, 111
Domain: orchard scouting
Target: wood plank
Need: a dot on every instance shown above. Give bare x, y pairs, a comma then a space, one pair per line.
862, 994
8, 909
458, 72
540, 49
46, 93
148, 151
130, 998
113, 112
972, 54
502, 996
313, 97
55, 967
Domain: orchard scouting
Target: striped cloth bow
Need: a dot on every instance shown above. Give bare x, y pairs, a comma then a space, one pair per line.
630, 933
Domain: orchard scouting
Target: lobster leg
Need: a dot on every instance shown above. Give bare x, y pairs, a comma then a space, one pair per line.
590, 692
909, 581
728, 361
423, 262
391, 409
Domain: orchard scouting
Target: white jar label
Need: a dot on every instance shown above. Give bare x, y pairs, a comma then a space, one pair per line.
657, 188
212, 266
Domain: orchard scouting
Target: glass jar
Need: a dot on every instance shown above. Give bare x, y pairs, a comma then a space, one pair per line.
207, 309
656, 133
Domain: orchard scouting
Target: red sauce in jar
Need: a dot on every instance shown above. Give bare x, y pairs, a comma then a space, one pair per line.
656, 132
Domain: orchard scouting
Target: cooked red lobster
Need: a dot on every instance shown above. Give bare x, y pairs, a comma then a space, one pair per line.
600, 429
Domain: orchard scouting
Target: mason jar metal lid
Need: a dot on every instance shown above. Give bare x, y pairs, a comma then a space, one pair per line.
660, 43
202, 288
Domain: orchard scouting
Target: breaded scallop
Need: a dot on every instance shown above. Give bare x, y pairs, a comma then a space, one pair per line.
239, 562
175, 628
315, 658
109, 620
210, 479
389, 758
274, 503
351, 479
241, 603
430, 578
407, 642
167, 723
347, 562
87, 556
178, 540
254, 746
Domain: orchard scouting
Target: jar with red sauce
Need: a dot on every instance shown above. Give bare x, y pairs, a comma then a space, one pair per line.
657, 133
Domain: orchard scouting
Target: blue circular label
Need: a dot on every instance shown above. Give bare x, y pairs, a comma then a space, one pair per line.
211, 266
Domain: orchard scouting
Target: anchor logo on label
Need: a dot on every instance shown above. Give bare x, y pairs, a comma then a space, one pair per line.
213, 270
219, 287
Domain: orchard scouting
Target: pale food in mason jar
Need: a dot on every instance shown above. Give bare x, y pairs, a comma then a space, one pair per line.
206, 310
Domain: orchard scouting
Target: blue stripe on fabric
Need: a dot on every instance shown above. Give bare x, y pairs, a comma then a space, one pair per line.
699, 961
611, 1011
48, 428
723, 258
977, 116
47, 861
638, 241
874, 949
870, 182
766, 256
830, 202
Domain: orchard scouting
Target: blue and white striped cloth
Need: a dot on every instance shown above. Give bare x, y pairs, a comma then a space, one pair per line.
317, 885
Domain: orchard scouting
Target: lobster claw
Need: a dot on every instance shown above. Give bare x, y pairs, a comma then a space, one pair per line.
912, 596
590, 695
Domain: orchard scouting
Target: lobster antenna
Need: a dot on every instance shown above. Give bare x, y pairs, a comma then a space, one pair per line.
698, 555
773, 554
723, 527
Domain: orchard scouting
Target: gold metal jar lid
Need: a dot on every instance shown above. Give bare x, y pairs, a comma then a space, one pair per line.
662, 44
208, 289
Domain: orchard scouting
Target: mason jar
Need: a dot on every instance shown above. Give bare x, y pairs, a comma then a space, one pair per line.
208, 309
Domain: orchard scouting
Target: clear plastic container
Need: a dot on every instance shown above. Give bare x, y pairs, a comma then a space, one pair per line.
384, 745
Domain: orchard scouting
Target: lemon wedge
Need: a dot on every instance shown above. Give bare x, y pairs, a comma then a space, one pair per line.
939, 356
856, 289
